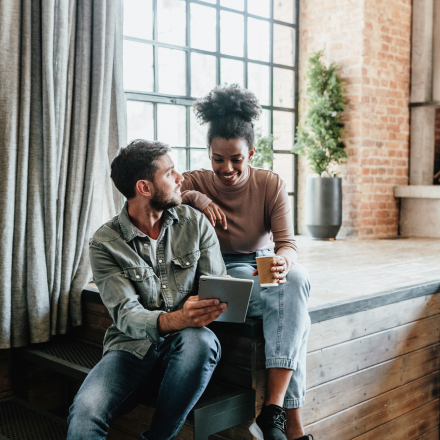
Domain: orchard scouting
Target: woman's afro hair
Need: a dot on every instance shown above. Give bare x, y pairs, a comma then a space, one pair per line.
227, 101
230, 111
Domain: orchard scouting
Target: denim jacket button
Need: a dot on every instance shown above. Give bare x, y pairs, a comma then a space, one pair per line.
164, 286
160, 261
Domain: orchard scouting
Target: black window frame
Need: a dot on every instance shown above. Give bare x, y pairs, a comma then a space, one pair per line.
187, 101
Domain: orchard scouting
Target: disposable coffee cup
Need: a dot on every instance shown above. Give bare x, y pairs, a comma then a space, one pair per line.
265, 275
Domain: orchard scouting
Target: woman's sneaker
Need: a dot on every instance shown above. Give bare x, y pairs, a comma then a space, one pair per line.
269, 425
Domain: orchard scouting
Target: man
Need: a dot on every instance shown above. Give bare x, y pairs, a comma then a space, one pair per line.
146, 263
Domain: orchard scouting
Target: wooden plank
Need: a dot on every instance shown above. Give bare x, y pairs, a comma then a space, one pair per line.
5, 353
239, 432
237, 361
5, 376
335, 396
348, 357
49, 396
96, 308
408, 426
433, 434
139, 420
335, 331
375, 412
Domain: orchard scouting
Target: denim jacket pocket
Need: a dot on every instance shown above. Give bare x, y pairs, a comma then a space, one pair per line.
184, 269
138, 273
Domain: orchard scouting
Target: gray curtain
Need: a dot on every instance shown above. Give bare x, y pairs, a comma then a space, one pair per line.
62, 118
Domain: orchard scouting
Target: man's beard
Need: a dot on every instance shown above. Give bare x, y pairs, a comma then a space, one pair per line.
160, 202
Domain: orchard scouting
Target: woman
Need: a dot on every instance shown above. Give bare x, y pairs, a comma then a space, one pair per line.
250, 210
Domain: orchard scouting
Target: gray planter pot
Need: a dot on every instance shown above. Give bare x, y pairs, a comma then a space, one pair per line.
324, 207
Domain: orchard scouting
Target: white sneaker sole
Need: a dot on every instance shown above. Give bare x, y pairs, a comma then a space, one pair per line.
256, 431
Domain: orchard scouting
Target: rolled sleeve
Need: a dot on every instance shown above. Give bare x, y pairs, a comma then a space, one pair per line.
119, 296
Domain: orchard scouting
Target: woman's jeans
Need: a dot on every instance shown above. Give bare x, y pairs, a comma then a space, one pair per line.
286, 321
179, 368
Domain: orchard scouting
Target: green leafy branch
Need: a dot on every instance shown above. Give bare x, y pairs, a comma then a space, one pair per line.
319, 134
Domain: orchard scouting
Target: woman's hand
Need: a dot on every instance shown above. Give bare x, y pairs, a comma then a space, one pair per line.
215, 214
279, 269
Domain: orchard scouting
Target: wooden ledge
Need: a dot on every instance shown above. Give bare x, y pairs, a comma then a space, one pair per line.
417, 191
253, 328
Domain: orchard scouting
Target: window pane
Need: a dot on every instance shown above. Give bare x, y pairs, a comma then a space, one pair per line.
260, 7
263, 124
171, 21
172, 71
179, 158
200, 159
202, 74
140, 120
258, 39
284, 11
233, 4
138, 18
283, 88
171, 124
231, 71
198, 132
283, 165
283, 45
231, 33
258, 82
138, 66
203, 26
283, 130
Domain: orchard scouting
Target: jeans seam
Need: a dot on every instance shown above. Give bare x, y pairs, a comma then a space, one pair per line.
280, 325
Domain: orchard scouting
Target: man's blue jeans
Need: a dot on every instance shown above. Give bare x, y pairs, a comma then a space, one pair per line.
286, 321
179, 368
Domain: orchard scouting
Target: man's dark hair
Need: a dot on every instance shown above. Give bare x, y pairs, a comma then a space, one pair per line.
136, 161
229, 110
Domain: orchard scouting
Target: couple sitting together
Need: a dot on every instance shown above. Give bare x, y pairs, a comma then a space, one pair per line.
147, 261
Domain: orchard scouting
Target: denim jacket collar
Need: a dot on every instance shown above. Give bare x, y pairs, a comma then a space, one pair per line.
130, 231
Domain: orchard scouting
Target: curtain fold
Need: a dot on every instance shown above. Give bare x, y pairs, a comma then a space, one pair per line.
62, 119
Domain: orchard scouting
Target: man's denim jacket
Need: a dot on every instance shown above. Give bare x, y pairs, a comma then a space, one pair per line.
132, 292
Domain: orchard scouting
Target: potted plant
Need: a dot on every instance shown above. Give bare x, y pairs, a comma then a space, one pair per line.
318, 138
263, 156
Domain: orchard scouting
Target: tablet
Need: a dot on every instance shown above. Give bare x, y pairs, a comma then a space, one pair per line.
235, 292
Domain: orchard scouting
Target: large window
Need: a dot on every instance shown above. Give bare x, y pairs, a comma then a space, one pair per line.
175, 51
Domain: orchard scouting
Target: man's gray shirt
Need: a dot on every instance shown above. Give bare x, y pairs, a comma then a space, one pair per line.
130, 289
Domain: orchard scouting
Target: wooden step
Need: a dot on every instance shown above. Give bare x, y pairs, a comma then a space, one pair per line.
220, 407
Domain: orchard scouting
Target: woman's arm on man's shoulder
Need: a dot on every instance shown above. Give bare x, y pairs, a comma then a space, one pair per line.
190, 195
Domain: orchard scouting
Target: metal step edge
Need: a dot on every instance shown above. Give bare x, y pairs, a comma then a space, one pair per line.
57, 364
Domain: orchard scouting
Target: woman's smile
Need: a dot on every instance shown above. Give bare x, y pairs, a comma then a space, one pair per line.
230, 158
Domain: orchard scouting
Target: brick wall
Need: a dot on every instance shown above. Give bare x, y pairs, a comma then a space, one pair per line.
370, 40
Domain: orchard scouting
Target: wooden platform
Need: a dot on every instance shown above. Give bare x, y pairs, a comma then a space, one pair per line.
373, 360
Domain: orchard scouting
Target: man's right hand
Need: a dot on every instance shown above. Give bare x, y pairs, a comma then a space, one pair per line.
195, 313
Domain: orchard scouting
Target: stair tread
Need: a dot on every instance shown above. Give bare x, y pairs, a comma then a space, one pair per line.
73, 354
20, 420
